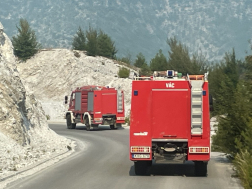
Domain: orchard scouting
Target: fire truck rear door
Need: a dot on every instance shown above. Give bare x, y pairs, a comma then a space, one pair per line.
170, 113
109, 104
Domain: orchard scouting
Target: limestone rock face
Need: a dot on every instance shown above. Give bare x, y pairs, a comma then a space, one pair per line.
25, 137
13, 112
52, 74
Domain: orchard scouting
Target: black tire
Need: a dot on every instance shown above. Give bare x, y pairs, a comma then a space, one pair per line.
119, 125
200, 168
70, 125
87, 124
142, 167
113, 127
73, 125
95, 126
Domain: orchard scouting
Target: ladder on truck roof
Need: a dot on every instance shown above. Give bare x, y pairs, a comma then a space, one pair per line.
196, 82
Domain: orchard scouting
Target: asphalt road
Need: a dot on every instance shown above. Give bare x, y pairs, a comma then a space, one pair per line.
102, 161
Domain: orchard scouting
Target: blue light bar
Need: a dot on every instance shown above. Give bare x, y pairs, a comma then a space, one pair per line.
170, 73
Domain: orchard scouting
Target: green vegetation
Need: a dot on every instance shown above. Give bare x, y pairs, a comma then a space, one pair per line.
25, 43
159, 62
79, 40
140, 62
180, 60
123, 72
48, 117
106, 47
127, 120
230, 84
96, 43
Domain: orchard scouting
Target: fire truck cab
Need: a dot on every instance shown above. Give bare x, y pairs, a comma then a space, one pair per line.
94, 105
170, 121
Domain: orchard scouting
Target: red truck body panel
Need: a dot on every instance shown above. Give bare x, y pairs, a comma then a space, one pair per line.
161, 111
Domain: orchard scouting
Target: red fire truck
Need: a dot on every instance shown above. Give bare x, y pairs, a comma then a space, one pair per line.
170, 121
94, 105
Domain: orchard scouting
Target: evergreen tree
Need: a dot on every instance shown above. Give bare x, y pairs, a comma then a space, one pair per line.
145, 70
179, 58
140, 60
248, 67
234, 126
106, 47
92, 47
231, 68
199, 64
223, 78
159, 62
79, 40
25, 43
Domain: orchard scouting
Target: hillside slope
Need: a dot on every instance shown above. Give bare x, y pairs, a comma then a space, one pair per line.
52, 74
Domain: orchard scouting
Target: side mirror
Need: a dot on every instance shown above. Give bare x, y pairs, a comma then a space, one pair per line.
211, 102
66, 99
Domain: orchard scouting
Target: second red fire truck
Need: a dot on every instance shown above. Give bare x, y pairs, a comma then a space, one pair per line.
94, 105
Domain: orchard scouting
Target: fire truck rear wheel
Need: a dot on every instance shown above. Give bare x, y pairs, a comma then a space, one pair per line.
118, 125
70, 125
200, 168
113, 127
95, 126
142, 167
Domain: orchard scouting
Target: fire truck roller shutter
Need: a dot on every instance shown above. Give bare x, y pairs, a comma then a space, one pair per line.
77, 101
90, 101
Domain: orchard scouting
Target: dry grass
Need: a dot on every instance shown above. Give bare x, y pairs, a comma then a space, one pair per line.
243, 163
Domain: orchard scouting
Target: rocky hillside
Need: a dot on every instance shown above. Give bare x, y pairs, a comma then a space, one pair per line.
25, 137
52, 74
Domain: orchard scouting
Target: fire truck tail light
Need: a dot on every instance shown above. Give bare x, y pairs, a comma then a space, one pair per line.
140, 149
120, 118
198, 149
97, 119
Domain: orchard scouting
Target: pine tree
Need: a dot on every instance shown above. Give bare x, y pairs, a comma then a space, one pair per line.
92, 47
145, 70
140, 60
79, 40
234, 126
159, 62
231, 68
179, 58
25, 43
106, 47
199, 64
